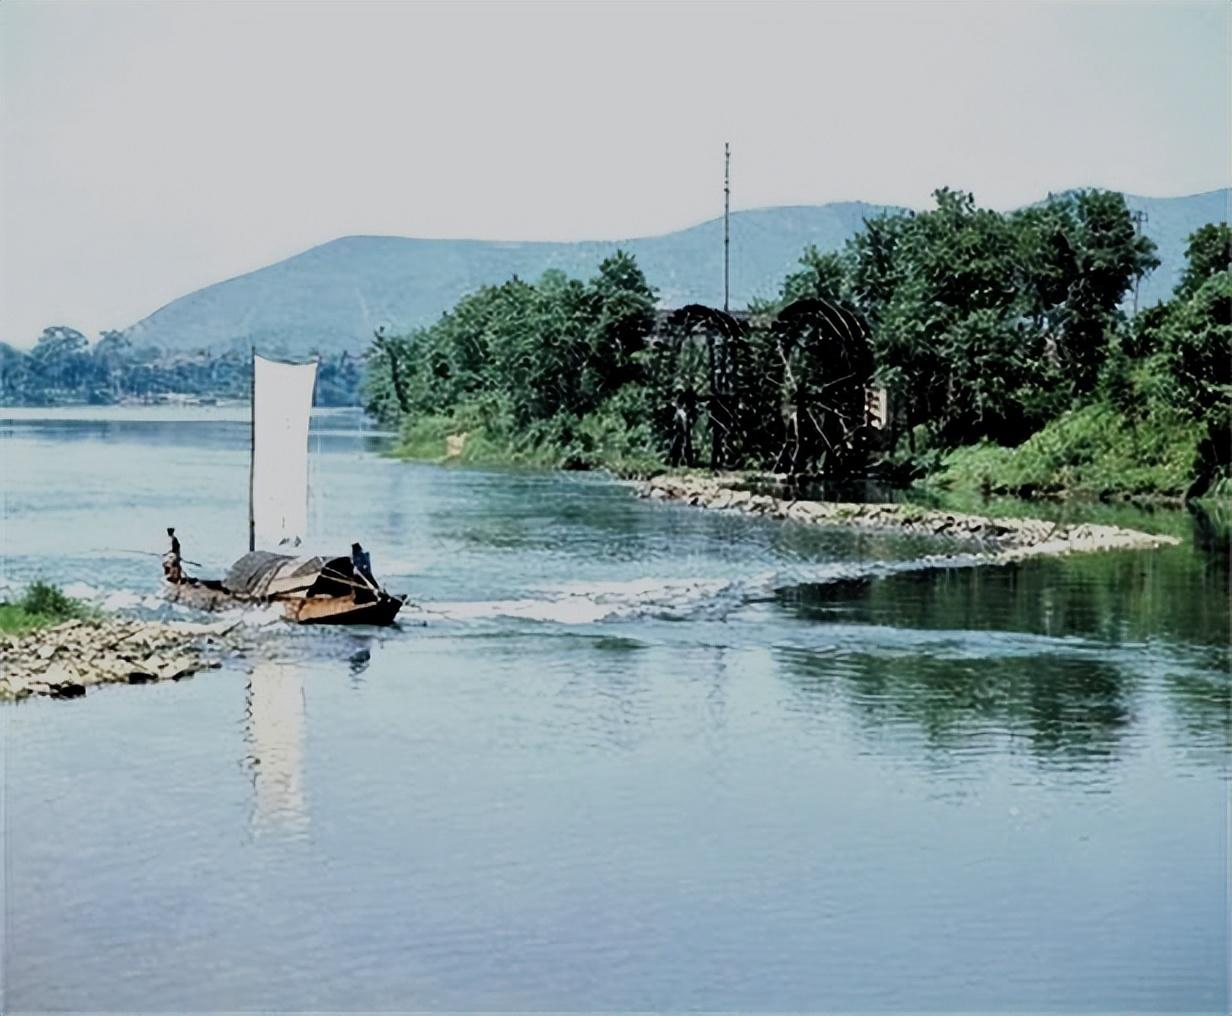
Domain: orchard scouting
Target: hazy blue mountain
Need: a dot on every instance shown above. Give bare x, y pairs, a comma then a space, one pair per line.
1169, 223
331, 297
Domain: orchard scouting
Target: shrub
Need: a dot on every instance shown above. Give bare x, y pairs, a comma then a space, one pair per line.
41, 605
1094, 450
49, 601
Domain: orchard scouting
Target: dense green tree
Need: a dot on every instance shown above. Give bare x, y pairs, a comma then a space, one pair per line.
986, 325
385, 386
1187, 347
941, 291
553, 350
1208, 253
1108, 255
17, 385
112, 356
620, 305
822, 276
60, 357
1195, 337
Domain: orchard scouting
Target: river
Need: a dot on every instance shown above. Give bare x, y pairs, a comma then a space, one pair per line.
620, 755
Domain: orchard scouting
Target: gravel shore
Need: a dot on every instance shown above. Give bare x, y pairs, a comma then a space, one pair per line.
995, 539
64, 660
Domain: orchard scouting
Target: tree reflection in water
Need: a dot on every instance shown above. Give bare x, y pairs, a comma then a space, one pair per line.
1067, 709
1111, 628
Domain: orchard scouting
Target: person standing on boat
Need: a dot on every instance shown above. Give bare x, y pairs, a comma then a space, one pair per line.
173, 570
361, 562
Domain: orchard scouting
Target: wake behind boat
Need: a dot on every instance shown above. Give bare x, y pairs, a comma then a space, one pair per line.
311, 590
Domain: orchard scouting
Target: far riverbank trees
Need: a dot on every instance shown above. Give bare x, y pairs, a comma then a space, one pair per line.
63, 368
986, 328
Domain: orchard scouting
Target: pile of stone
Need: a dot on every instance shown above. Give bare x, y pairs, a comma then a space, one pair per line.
999, 539
63, 661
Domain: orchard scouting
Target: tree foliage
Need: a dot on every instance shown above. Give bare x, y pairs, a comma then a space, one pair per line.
988, 324
532, 361
1208, 253
1159, 418
983, 327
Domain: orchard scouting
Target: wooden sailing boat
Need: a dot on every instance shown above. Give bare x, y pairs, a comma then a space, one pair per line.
312, 590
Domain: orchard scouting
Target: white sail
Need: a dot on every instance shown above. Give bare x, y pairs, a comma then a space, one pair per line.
282, 403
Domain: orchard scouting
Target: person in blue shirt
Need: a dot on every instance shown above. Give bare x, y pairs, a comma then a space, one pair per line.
361, 562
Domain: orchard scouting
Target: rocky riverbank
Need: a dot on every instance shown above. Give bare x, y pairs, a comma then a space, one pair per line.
64, 660
996, 539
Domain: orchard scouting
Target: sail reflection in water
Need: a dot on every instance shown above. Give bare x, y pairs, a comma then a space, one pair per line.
275, 732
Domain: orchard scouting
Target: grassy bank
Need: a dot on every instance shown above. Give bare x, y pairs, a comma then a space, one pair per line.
1094, 451
40, 606
475, 435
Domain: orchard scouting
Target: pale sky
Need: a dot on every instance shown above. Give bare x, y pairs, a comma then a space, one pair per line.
147, 150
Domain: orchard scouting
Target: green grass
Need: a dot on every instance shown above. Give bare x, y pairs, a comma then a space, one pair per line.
1094, 451
41, 606
426, 438
600, 440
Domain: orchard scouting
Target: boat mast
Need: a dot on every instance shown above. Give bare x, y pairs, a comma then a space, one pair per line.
726, 216
252, 446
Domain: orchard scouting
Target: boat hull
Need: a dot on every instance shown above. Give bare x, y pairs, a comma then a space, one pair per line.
208, 595
343, 610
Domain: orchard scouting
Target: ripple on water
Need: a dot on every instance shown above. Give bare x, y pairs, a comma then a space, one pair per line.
622, 758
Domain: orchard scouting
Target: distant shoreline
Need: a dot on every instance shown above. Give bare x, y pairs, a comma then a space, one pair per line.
178, 402
232, 409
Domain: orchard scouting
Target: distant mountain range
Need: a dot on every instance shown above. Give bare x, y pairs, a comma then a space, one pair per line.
330, 298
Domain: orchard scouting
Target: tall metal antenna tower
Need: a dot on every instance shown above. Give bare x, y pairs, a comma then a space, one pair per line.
726, 223
1139, 216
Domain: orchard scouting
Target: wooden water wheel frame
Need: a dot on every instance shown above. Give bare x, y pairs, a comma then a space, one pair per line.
826, 361
725, 339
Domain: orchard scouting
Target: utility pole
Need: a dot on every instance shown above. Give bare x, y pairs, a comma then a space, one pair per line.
726, 217
1139, 216
252, 446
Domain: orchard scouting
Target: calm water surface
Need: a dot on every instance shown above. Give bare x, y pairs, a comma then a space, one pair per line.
622, 755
